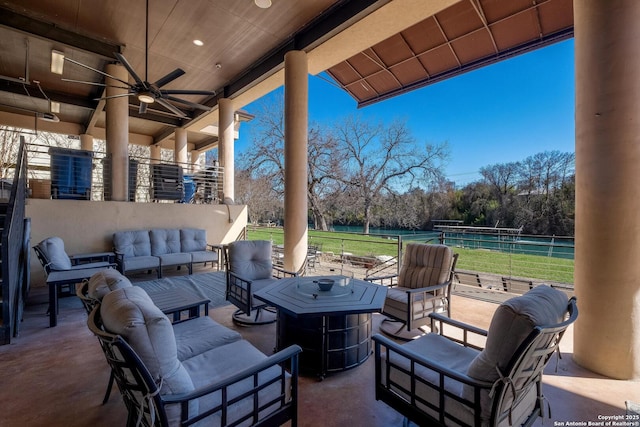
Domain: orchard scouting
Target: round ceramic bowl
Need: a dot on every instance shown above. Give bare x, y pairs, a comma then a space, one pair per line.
325, 284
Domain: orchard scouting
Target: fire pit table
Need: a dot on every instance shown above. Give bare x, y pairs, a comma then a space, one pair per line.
333, 327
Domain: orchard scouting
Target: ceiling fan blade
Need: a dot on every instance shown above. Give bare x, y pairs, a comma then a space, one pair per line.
130, 69
114, 96
93, 83
97, 71
187, 92
143, 108
169, 77
188, 103
170, 107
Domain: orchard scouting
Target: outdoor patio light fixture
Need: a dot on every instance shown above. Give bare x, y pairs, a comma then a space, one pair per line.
198, 42
57, 62
264, 4
146, 97
54, 107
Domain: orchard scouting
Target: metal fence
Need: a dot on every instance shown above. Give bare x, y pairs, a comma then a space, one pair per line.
63, 173
489, 258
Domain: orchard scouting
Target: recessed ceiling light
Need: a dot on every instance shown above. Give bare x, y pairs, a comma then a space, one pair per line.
198, 42
264, 4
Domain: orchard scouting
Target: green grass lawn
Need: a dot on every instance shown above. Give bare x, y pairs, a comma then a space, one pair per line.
481, 260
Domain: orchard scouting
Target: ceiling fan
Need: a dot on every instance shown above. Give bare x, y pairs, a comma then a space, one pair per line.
146, 92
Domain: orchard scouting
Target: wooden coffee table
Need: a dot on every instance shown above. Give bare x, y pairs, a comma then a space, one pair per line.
333, 328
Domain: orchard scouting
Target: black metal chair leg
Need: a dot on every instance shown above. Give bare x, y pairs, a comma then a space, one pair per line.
109, 387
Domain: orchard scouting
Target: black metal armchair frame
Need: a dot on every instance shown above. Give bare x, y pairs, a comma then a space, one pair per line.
147, 407
525, 367
240, 293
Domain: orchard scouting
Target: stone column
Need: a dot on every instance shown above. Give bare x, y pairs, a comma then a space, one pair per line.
226, 132
86, 142
607, 332
296, 104
117, 132
195, 166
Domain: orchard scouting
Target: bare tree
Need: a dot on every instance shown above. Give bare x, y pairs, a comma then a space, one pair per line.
383, 159
266, 158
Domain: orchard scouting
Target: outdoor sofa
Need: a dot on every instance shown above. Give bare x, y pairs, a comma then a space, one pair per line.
157, 248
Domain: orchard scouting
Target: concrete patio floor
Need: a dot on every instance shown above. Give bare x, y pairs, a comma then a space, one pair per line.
57, 376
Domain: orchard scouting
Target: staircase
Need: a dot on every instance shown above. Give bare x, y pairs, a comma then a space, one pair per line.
14, 249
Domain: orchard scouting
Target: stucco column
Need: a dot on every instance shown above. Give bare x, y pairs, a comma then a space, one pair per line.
195, 166
154, 154
86, 142
226, 154
607, 332
180, 148
117, 132
296, 105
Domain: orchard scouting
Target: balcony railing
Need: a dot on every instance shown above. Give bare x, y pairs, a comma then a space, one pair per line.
62, 173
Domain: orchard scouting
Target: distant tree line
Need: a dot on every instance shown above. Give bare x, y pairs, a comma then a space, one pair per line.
368, 174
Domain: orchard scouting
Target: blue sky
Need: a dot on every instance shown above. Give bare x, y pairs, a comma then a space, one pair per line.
497, 114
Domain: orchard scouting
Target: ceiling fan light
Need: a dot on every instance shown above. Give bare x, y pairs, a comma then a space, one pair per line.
146, 98
57, 62
264, 4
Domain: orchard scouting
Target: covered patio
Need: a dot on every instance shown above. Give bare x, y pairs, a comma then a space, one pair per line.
57, 375
63, 372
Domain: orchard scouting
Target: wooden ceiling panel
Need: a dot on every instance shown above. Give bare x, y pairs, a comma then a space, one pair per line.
556, 16
344, 73
383, 82
364, 64
473, 46
516, 30
439, 60
410, 71
459, 19
495, 10
362, 90
393, 50
424, 36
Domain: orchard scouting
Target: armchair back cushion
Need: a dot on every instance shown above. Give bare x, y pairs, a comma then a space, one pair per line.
104, 282
251, 259
165, 241
193, 239
132, 243
130, 313
425, 265
53, 250
511, 324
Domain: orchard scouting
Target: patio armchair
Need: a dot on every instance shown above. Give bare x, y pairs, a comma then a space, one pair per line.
249, 267
449, 378
53, 257
423, 286
164, 383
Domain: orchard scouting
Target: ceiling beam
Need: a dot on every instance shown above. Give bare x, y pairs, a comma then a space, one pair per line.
25, 89
48, 31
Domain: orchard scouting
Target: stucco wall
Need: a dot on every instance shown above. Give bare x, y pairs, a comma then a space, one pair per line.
87, 226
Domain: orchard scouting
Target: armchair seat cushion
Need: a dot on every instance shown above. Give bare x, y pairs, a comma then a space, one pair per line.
222, 362
397, 301
442, 351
